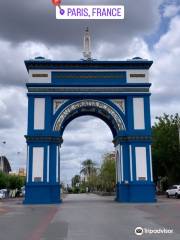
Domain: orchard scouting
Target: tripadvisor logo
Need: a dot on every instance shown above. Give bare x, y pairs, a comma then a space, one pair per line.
139, 231
88, 11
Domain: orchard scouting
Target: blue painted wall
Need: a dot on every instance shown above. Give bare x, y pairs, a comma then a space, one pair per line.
127, 191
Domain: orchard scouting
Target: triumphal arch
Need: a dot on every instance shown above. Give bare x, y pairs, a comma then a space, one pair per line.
118, 92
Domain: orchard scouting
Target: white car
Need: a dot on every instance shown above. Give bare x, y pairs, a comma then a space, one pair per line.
2, 195
173, 191
23, 191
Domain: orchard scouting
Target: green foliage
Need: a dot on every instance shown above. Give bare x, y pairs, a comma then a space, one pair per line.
88, 167
75, 190
3, 180
96, 179
108, 173
166, 148
16, 182
10, 181
75, 180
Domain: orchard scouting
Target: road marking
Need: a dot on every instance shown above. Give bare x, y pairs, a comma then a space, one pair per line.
41, 228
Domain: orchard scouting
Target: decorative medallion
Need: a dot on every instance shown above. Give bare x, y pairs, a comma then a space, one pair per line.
57, 104
120, 103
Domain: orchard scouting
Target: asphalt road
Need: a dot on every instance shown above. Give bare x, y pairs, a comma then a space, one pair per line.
89, 217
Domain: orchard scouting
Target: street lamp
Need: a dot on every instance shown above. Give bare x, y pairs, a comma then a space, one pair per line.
3, 142
1, 157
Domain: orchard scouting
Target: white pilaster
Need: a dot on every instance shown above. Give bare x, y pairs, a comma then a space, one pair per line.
38, 163
27, 165
141, 163
130, 157
118, 173
39, 113
57, 164
121, 158
150, 158
48, 163
138, 113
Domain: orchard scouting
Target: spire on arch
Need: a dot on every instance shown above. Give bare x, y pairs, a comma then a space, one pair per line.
87, 45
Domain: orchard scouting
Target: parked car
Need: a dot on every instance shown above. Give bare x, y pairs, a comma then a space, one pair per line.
5, 191
2, 195
22, 194
173, 191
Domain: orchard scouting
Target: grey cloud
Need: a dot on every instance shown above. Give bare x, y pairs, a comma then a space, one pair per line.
6, 122
12, 68
15, 142
12, 108
167, 96
29, 29
35, 21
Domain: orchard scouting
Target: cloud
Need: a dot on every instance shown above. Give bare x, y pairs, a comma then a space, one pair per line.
13, 112
35, 21
12, 68
166, 71
30, 29
12, 107
171, 10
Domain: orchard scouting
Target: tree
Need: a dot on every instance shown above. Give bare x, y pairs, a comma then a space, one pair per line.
166, 148
75, 180
3, 180
108, 173
88, 167
10, 181
90, 171
16, 182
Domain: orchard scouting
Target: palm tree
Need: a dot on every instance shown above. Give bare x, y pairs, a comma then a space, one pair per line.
88, 167
75, 180
89, 170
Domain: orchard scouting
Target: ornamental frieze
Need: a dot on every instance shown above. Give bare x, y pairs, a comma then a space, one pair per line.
85, 104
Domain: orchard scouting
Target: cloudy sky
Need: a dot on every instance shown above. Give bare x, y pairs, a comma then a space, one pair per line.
151, 29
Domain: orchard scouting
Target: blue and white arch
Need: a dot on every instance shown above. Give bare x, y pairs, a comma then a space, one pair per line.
115, 91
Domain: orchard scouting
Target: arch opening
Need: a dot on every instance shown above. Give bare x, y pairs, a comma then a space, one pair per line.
86, 137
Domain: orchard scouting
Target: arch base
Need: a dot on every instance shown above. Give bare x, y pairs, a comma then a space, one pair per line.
135, 192
42, 194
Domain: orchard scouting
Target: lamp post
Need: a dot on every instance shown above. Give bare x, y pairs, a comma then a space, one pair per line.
18, 153
1, 157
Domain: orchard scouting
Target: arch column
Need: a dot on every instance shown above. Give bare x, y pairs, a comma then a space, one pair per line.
43, 170
135, 180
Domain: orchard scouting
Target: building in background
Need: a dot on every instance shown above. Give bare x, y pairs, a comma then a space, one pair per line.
21, 172
4, 165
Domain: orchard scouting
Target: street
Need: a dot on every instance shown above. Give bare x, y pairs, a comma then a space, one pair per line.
88, 217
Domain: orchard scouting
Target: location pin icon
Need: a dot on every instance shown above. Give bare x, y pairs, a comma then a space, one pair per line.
57, 3
62, 11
